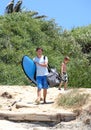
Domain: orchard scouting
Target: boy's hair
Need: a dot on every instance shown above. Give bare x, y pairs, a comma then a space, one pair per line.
39, 48
66, 58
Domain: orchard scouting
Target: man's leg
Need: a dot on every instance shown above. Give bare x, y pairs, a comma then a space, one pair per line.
45, 87
44, 94
39, 87
39, 94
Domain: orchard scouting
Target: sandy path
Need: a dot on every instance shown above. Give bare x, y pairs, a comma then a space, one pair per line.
27, 95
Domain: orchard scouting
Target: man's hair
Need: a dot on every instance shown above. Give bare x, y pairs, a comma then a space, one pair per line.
39, 48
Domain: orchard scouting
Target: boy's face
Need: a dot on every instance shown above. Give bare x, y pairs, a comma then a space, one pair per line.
66, 61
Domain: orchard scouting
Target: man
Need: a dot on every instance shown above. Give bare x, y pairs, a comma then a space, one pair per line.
41, 74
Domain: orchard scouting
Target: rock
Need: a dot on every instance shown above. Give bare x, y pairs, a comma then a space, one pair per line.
40, 128
87, 121
6, 95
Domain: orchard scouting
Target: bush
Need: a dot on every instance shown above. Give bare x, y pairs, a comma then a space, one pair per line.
72, 99
21, 37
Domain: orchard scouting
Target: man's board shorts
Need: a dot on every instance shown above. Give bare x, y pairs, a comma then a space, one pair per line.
42, 82
64, 77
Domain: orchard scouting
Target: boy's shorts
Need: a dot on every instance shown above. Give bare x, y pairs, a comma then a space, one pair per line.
65, 77
42, 82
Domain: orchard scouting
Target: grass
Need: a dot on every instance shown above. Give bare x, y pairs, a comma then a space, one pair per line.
72, 99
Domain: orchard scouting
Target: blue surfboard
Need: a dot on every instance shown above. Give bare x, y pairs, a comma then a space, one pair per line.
29, 68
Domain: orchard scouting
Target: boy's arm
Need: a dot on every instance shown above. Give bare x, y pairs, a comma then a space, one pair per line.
62, 68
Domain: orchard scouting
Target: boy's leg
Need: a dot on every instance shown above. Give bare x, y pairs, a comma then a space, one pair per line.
65, 85
66, 81
60, 85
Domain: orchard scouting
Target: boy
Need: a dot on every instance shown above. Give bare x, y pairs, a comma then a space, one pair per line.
64, 75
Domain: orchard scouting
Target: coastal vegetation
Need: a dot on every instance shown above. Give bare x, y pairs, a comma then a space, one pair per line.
21, 33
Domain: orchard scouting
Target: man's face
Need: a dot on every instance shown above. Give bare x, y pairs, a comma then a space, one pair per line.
39, 52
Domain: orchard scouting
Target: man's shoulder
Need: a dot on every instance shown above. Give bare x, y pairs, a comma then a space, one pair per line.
45, 58
35, 58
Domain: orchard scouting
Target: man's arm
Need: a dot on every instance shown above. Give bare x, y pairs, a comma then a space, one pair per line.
45, 64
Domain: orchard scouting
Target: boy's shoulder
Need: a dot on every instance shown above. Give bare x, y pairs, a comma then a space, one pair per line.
62, 63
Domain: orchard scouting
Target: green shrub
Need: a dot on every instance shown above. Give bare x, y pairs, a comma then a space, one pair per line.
20, 35
72, 99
